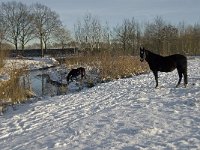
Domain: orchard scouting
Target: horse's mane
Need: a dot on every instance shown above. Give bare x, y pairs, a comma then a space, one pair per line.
151, 54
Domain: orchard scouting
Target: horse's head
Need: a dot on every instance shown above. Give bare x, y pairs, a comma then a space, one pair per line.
142, 54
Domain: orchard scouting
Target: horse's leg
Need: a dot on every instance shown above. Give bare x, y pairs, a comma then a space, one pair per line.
68, 78
185, 78
82, 75
156, 77
180, 77
71, 78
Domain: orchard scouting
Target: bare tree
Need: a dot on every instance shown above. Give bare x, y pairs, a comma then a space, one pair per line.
161, 36
196, 38
127, 35
169, 36
181, 44
88, 32
106, 37
3, 29
153, 34
12, 14
191, 38
122, 35
46, 22
27, 31
62, 35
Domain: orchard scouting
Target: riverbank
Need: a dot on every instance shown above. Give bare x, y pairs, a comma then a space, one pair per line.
13, 75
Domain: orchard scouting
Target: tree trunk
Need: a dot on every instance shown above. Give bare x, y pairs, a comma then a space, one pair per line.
41, 47
45, 46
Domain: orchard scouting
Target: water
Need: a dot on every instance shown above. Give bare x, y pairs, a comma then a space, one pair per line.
40, 84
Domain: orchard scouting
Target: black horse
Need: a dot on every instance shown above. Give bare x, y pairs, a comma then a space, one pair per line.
165, 64
74, 73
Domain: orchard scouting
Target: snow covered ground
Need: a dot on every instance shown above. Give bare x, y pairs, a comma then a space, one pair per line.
124, 114
32, 63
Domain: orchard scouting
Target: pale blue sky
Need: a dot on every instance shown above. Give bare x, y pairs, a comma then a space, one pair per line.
114, 11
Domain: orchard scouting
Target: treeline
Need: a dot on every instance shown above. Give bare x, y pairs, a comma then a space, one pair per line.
21, 25
158, 36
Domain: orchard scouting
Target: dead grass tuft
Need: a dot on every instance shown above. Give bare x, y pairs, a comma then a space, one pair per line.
3, 56
11, 90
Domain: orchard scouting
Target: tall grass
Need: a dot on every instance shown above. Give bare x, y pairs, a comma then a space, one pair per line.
110, 66
3, 56
10, 90
115, 67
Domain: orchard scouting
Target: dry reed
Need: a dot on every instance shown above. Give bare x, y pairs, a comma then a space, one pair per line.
10, 90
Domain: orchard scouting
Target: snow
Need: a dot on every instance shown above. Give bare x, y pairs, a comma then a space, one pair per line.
32, 63
123, 114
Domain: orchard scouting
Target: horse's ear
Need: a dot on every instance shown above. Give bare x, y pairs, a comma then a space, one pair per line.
140, 48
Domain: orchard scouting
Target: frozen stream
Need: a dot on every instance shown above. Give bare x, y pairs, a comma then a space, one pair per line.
41, 85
